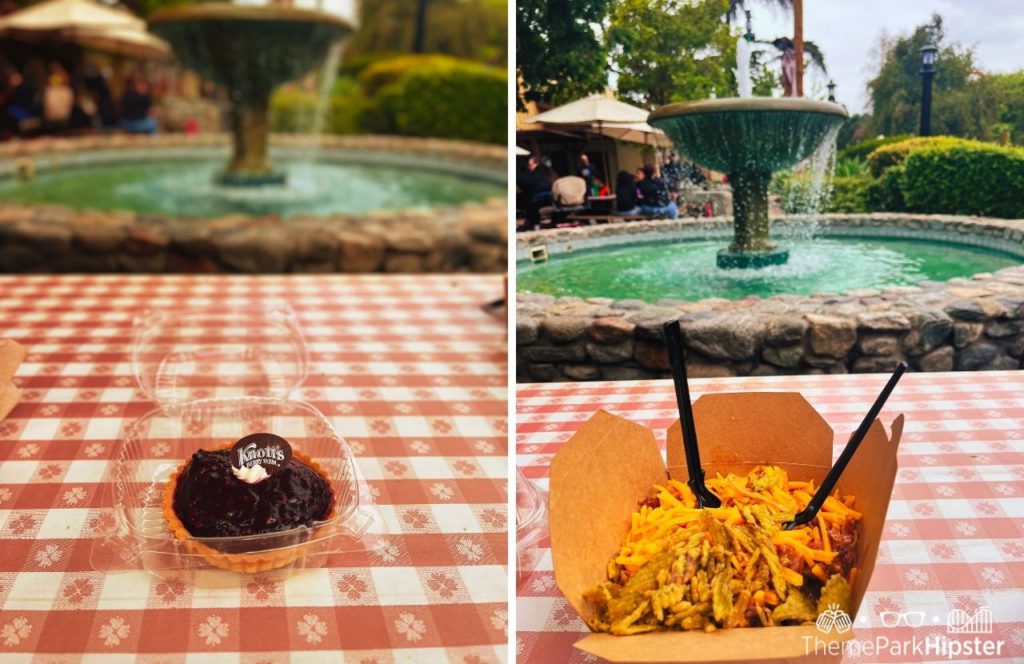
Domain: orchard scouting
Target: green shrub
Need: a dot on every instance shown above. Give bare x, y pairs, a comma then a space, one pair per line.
850, 167
885, 194
355, 65
375, 77
893, 154
294, 110
456, 99
965, 178
849, 194
862, 149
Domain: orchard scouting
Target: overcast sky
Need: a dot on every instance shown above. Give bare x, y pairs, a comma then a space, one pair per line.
848, 33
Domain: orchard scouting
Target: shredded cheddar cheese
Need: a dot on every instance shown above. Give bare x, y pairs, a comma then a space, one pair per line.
682, 567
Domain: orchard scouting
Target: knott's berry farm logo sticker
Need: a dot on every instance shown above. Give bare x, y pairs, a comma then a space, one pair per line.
265, 449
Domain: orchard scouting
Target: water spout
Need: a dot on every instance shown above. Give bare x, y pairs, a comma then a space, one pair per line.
742, 71
328, 78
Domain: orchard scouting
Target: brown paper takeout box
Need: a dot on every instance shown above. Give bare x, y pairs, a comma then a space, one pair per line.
610, 464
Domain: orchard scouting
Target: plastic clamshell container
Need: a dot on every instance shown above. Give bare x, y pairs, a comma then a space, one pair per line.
217, 376
531, 525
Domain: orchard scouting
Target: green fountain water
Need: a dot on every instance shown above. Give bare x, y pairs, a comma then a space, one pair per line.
749, 139
250, 50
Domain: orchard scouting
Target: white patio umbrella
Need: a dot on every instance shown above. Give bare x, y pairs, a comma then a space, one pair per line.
86, 23
521, 152
593, 110
636, 132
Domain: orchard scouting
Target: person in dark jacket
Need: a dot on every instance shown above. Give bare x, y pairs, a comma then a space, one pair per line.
625, 194
534, 189
654, 196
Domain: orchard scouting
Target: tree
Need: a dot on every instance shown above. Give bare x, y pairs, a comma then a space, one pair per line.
560, 55
896, 90
1009, 96
472, 29
736, 6
671, 50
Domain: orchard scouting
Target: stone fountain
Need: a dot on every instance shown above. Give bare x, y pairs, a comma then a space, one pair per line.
749, 139
250, 50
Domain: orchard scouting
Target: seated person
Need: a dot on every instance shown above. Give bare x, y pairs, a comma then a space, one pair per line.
625, 194
137, 103
535, 189
654, 196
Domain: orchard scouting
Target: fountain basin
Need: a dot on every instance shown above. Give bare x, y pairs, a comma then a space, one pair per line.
970, 321
250, 51
454, 235
754, 134
659, 260
749, 139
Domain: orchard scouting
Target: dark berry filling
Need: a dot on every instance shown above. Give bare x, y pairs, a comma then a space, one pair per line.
212, 502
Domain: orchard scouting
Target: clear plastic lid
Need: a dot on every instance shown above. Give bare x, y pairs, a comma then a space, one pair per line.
181, 356
531, 525
217, 376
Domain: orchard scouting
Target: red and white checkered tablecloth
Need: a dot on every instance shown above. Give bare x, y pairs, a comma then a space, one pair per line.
954, 534
407, 368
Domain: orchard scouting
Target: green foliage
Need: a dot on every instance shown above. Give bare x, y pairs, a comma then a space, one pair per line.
1009, 103
410, 95
294, 110
849, 194
851, 167
896, 89
559, 56
885, 194
963, 104
965, 178
470, 29
461, 100
666, 50
862, 149
385, 72
893, 154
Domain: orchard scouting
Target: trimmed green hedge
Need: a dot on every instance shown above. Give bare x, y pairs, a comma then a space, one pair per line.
862, 149
933, 175
461, 100
894, 154
965, 178
415, 95
885, 194
375, 77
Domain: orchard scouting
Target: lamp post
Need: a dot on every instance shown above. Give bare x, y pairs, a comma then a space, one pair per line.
831, 90
928, 53
421, 26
